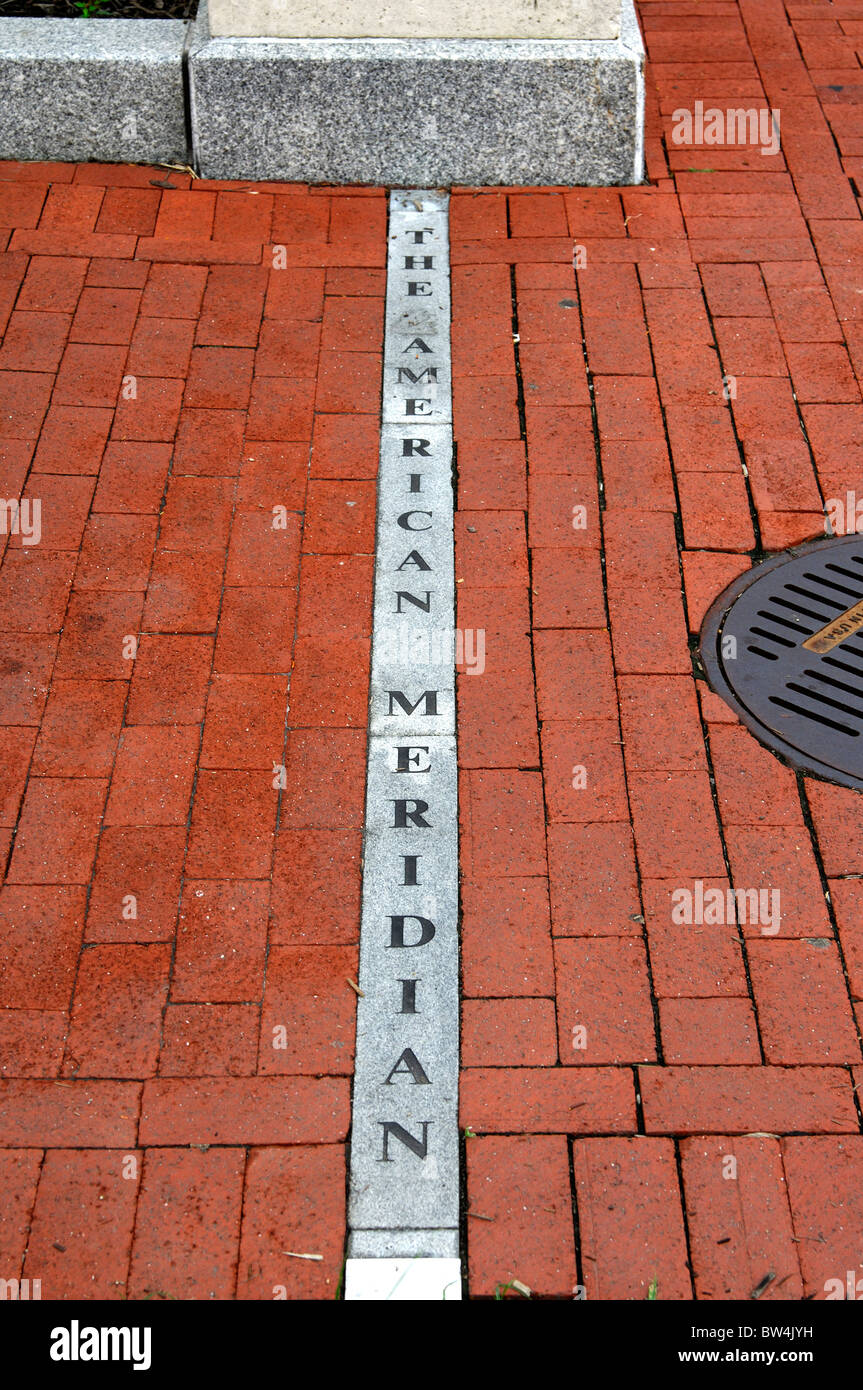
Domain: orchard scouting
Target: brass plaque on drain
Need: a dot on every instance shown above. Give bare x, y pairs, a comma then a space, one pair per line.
830, 636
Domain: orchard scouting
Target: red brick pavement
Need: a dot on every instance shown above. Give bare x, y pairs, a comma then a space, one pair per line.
647, 1103
653, 1101
183, 689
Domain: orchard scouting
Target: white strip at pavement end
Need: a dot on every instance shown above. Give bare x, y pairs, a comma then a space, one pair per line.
412, 1281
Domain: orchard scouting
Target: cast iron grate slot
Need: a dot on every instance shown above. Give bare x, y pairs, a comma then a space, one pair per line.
784, 646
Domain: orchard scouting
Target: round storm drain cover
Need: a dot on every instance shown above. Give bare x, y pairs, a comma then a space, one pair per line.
784, 647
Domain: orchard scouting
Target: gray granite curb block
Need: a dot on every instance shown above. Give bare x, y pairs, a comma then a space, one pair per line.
426, 112
105, 89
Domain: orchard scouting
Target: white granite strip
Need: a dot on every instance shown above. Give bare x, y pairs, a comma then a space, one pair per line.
404, 1185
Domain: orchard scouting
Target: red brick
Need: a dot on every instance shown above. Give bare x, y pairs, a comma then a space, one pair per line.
72, 440
706, 574
563, 512
340, 518
823, 1177
105, 316
57, 831
210, 1040
497, 713
185, 213
16, 746
281, 408
161, 347
741, 1100
174, 291
308, 996
19, 1174
748, 1204
508, 1033
153, 775
31, 1043
567, 589
803, 1008
221, 942
838, 818
244, 215
661, 724
297, 294
120, 992
750, 347
630, 1219
113, 273
89, 375
782, 477
752, 787
153, 413
708, 1031
219, 378
188, 1224
592, 880
170, 680
506, 947
80, 728
294, 1200
136, 885
209, 442
53, 283
34, 342
604, 1005
547, 1100
129, 210
69, 1114
690, 958
735, 290
65, 503
335, 596
41, 936
82, 1225
345, 446
560, 440
478, 215
232, 308
196, 515
491, 544
25, 668
845, 895
34, 590
116, 553
183, 593
256, 630
287, 348
675, 824
637, 474
491, 475
628, 408
779, 858
301, 218
485, 408
325, 772
521, 1185
232, 825
257, 1110
329, 682
273, 474
715, 511
702, 439
262, 553
316, 888
502, 821
583, 771
71, 207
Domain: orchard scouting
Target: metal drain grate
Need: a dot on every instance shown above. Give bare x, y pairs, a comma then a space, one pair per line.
784, 647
